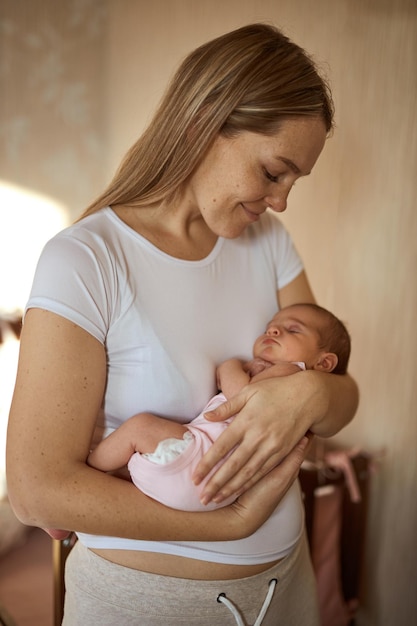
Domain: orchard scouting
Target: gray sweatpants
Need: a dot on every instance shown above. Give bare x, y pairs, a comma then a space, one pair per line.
101, 592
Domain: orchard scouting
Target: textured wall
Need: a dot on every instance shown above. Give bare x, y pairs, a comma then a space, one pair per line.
52, 73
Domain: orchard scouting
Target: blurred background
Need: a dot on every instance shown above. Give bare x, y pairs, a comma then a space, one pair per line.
79, 80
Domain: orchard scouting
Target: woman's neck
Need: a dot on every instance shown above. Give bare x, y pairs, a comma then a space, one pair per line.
181, 236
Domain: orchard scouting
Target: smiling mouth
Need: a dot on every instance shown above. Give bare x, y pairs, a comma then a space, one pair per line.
252, 216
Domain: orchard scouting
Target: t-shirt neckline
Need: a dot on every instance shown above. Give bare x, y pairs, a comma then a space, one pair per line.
145, 243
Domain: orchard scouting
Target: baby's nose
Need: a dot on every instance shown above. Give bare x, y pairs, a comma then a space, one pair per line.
272, 330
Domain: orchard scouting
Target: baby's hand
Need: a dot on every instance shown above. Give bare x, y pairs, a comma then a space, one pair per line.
256, 366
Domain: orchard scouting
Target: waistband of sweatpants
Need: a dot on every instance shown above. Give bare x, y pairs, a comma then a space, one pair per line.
105, 578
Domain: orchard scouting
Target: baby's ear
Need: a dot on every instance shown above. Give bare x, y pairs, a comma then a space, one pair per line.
326, 362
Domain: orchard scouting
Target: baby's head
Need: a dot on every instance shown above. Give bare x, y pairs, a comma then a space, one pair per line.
308, 333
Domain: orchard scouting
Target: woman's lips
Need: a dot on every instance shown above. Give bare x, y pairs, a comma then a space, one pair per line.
253, 217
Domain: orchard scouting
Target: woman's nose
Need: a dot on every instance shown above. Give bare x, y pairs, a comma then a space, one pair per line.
278, 202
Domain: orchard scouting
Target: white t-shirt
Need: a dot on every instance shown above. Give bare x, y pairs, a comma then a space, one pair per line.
166, 324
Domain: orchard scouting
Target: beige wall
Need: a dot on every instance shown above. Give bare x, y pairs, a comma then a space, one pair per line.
52, 78
353, 220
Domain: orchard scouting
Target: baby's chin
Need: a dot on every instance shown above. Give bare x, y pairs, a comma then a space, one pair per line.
268, 354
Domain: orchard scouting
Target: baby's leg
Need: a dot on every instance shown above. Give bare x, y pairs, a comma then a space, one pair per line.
150, 430
140, 433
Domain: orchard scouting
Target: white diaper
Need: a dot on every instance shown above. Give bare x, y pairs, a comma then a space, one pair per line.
169, 449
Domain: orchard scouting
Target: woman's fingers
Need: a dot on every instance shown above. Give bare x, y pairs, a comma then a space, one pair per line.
257, 504
261, 434
224, 445
249, 475
244, 467
231, 437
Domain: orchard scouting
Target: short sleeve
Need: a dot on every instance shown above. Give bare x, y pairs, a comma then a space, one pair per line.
72, 279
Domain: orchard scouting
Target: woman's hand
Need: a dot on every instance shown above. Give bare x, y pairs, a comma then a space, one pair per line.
271, 417
266, 428
257, 504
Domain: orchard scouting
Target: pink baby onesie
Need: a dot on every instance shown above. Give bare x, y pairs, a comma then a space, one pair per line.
170, 483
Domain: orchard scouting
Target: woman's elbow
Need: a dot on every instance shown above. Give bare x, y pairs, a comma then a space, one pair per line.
21, 501
29, 493
341, 405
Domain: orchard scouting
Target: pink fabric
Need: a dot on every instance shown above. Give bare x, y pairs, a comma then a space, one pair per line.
340, 459
171, 484
326, 557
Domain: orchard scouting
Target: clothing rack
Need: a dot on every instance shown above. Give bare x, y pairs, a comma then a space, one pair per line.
326, 483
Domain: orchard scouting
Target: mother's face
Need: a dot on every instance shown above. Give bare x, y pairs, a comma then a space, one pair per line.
240, 177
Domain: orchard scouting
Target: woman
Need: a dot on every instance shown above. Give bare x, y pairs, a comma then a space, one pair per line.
133, 307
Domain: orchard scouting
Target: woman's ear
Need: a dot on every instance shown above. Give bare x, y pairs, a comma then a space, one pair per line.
326, 362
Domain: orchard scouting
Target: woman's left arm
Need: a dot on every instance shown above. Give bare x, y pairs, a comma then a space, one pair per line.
340, 394
272, 416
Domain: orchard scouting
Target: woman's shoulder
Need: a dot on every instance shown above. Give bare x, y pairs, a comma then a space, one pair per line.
94, 237
92, 227
74, 276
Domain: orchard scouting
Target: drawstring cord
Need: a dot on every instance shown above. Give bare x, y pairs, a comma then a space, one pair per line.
239, 621
222, 598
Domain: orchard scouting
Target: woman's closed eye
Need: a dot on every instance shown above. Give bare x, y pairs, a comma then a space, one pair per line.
271, 177
275, 178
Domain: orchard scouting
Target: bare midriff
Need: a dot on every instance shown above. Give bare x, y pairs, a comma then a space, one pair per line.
180, 567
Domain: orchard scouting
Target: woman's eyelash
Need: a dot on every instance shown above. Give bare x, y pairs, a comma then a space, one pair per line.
274, 179
271, 177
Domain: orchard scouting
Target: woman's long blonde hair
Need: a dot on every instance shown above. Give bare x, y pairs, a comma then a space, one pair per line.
250, 79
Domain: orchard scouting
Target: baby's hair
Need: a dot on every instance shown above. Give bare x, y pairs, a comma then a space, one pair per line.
334, 337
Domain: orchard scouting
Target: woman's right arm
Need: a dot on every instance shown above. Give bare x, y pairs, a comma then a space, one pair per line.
59, 389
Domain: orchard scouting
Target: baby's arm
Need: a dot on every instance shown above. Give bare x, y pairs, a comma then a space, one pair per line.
232, 377
234, 374
141, 433
281, 368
